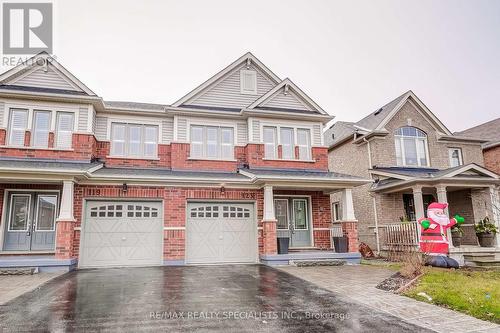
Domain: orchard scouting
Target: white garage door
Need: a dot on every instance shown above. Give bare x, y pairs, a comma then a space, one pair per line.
122, 233
221, 233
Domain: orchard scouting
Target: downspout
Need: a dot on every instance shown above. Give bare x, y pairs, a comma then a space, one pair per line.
377, 238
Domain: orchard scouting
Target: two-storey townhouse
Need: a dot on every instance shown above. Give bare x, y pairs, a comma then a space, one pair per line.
490, 132
215, 177
413, 160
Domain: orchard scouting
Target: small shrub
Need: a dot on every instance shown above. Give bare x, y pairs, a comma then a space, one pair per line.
412, 264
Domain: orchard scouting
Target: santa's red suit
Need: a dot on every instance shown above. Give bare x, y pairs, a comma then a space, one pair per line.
433, 236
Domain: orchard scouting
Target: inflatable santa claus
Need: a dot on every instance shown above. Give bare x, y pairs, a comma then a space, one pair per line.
433, 237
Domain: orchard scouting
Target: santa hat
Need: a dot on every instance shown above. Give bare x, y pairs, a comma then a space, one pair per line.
437, 205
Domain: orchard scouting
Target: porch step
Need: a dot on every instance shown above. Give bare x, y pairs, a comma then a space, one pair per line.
485, 262
480, 256
313, 263
19, 271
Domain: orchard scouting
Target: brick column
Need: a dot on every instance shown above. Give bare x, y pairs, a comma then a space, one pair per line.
65, 222
350, 230
51, 139
270, 240
27, 138
64, 239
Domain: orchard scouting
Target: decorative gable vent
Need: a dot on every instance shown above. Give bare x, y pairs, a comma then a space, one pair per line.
248, 82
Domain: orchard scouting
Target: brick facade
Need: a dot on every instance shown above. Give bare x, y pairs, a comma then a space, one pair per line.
175, 201
492, 159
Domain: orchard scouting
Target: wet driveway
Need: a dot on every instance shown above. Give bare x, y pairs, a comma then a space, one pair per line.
211, 298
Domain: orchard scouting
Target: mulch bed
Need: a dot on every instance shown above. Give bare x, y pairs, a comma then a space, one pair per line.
395, 283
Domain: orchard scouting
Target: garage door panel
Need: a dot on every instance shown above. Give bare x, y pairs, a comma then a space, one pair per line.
220, 233
122, 234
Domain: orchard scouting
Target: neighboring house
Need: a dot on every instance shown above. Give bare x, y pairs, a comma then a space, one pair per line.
213, 178
489, 131
413, 160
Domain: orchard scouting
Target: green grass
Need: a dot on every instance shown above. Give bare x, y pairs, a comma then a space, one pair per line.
476, 293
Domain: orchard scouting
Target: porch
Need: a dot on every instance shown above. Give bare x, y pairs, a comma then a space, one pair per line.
470, 191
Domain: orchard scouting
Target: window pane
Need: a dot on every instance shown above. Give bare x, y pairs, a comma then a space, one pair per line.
226, 135
300, 214
269, 134
304, 143
118, 139
18, 123
421, 152
212, 141
196, 149
455, 157
46, 212
41, 129
281, 213
196, 134
134, 140
410, 148
150, 141
287, 147
399, 158
19, 212
227, 148
64, 134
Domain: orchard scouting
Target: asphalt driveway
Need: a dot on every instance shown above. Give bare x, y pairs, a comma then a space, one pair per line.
239, 298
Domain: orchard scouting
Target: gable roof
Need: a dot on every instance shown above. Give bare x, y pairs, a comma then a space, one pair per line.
247, 57
376, 120
286, 89
489, 131
43, 72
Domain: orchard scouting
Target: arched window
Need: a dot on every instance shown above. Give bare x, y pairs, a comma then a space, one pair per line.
411, 147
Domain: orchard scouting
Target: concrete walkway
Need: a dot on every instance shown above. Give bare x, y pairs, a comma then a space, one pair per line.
358, 282
12, 286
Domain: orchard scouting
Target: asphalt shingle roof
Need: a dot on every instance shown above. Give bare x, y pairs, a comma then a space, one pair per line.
20, 164
300, 174
134, 105
488, 131
137, 173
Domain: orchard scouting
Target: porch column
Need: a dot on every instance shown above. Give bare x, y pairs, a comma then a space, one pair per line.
419, 202
442, 198
495, 207
349, 222
269, 233
65, 222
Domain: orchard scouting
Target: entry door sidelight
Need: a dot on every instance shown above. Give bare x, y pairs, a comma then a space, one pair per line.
30, 222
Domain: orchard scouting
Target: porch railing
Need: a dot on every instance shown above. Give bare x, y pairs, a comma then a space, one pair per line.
400, 237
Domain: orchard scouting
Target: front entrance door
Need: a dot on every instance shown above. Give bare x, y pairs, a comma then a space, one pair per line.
31, 221
293, 220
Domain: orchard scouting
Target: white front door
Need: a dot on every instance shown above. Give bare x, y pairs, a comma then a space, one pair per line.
122, 233
221, 233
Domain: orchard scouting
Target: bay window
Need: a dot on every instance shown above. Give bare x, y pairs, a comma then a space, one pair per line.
134, 140
17, 126
41, 128
64, 130
212, 142
270, 145
411, 147
287, 143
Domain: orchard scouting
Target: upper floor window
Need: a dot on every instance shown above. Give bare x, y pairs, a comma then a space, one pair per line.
287, 143
41, 129
134, 140
411, 147
270, 142
304, 143
64, 129
17, 126
212, 142
248, 82
455, 155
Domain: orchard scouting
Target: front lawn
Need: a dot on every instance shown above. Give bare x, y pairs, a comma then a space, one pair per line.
476, 293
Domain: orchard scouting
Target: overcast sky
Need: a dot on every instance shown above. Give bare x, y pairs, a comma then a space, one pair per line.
351, 57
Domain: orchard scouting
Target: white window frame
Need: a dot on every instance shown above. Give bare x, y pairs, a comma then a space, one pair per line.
34, 131
204, 141
11, 129
126, 152
253, 90
399, 140
274, 149
293, 125
38, 209
307, 146
28, 213
460, 156
293, 143
57, 132
336, 211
